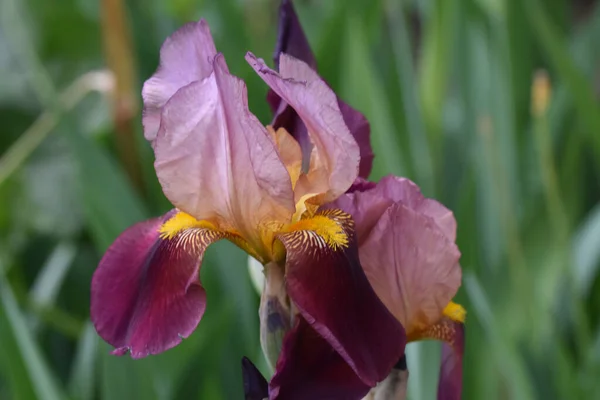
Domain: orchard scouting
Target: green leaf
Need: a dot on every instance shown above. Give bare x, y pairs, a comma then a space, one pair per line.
420, 153
586, 249
361, 86
110, 203
83, 373
39, 376
581, 91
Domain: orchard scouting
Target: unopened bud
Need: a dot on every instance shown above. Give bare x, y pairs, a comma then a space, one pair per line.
541, 92
274, 313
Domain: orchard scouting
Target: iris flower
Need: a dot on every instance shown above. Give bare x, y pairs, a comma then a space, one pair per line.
230, 177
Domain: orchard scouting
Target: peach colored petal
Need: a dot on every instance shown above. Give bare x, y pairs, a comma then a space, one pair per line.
289, 152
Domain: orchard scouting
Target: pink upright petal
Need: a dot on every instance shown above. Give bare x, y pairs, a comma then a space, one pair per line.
336, 150
186, 56
146, 294
309, 368
412, 266
332, 293
215, 160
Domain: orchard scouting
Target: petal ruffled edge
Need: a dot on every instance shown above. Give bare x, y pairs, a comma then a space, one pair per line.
367, 202
146, 294
186, 56
331, 291
404, 190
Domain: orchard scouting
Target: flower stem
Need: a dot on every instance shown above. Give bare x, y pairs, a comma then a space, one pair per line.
120, 60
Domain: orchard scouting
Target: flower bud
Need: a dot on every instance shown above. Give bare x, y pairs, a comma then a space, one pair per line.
274, 312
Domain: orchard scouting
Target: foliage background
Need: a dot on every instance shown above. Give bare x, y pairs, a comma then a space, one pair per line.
447, 86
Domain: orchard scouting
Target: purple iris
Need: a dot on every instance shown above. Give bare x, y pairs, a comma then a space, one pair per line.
360, 267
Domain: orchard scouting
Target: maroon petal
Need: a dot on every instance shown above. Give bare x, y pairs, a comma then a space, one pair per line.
309, 368
450, 383
291, 40
255, 385
331, 291
146, 294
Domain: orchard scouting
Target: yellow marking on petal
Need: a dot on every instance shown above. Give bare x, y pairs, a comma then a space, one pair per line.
328, 229
180, 222
445, 328
455, 312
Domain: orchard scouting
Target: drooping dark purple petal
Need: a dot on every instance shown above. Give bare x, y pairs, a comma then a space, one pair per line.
255, 385
291, 40
309, 368
146, 295
450, 382
331, 291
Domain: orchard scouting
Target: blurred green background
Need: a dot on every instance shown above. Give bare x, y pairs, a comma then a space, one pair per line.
447, 86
